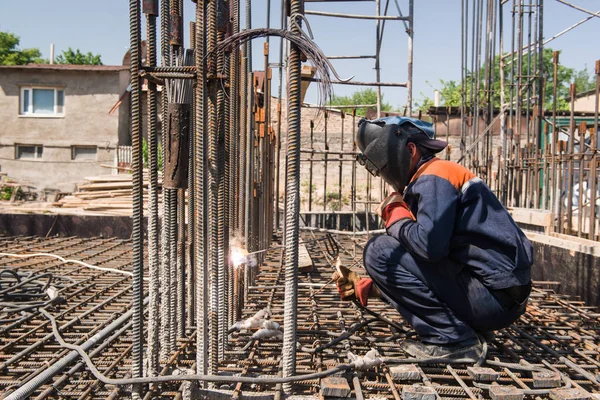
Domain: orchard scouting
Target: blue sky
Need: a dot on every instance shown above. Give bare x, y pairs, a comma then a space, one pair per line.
103, 28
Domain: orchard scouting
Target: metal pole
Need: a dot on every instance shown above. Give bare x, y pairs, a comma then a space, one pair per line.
137, 193
594, 161
166, 309
213, 159
200, 244
411, 36
153, 227
293, 201
377, 61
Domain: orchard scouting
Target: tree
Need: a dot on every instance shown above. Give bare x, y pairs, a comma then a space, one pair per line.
364, 96
584, 81
451, 91
78, 58
11, 55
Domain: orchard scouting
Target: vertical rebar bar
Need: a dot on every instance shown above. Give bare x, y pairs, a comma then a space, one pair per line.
503, 162
191, 270
377, 58
326, 158
279, 109
181, 298
293, 201
234, 156
153, 227
594, 162
165, 262
213, 160
224, 147
200, 248
570, 185
556, 196
137, 193
411, 36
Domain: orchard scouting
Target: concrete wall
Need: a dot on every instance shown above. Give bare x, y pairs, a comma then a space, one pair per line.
89, 96
573, 262
586, 103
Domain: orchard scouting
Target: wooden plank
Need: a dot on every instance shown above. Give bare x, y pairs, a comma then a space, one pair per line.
305, 262
542, 218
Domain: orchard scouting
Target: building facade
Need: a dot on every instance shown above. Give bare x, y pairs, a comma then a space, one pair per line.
60, 123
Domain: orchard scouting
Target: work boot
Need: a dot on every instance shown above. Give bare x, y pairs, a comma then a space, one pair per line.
468, 350
489, 336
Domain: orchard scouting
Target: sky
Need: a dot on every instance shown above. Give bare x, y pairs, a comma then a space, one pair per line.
103, 28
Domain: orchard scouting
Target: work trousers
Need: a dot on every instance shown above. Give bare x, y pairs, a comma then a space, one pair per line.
443, 301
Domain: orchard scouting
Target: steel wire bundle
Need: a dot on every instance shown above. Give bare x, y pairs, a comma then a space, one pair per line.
309, 48
179, 91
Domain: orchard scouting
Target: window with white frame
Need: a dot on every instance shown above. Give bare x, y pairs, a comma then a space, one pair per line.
84, 153
29, 151
42, 101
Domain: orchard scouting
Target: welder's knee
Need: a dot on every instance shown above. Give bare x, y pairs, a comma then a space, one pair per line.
380, 252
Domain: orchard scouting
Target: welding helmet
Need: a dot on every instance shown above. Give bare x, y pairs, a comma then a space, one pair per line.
382, 143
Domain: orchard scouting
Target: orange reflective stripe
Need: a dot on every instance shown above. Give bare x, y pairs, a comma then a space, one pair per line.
454, 173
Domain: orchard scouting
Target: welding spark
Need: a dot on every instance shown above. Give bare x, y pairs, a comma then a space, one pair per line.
238, 256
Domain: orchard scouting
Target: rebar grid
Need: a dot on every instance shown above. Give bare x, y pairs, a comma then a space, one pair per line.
556, 333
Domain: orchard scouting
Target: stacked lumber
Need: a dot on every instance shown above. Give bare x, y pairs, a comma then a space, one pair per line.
105, 194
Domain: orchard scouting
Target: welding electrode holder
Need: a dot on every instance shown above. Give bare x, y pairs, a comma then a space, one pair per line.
176, 154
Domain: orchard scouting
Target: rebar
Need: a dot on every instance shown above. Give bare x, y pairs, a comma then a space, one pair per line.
137, 194
201, 249
292, 201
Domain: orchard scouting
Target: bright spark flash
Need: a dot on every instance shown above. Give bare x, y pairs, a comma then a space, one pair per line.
238, 256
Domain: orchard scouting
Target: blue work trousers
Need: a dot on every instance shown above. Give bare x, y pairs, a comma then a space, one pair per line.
442, 300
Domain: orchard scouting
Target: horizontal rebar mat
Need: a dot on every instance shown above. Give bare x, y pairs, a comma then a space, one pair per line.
551, 352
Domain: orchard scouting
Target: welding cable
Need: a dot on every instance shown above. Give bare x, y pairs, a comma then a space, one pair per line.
378, 316
340, 338
66, 261
479, 362
31, 279
175, 378
511, 366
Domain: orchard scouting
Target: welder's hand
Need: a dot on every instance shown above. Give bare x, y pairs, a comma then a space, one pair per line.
393, 209
345, 280
351, 286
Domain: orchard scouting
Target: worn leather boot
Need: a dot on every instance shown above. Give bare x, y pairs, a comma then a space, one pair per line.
468, 350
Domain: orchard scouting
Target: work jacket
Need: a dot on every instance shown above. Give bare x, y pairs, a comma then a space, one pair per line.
458, 217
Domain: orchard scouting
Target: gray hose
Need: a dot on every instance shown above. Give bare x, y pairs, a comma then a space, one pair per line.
27, 389
175, 378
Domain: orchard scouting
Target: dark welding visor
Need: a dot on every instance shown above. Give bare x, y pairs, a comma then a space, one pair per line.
365, 162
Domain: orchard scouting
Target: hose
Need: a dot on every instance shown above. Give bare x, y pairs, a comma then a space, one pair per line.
34, 384
67, 261
27, 389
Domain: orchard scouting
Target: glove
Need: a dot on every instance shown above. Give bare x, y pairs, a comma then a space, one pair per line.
351, 286
393, 209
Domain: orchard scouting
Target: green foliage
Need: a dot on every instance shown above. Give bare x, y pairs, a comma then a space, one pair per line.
306, 186
7, 192
584, 81
365, 96
334, 201
451, 91
78, 58
145, 154
10, 54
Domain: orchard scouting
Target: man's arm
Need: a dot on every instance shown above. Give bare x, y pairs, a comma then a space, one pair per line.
428, 237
